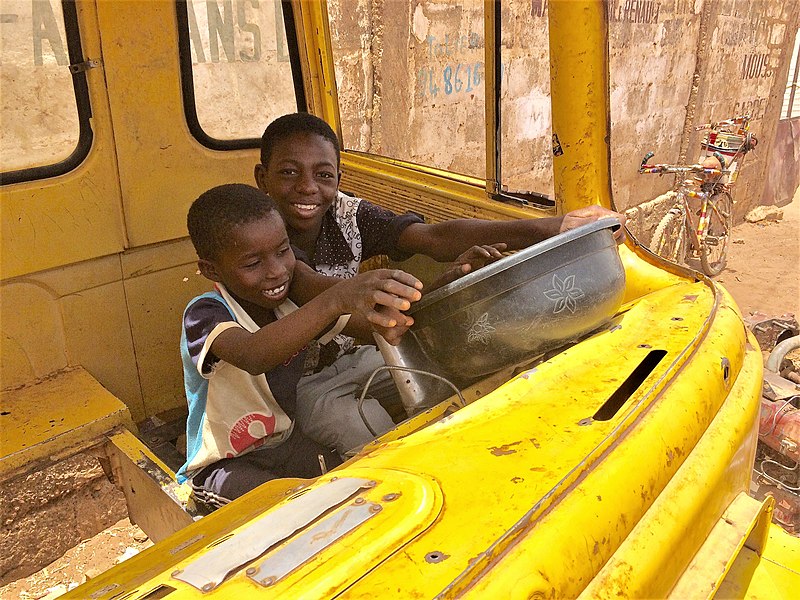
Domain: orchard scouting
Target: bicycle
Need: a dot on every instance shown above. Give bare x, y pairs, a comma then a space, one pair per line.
701, 230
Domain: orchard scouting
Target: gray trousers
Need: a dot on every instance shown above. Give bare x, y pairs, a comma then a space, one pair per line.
327, 402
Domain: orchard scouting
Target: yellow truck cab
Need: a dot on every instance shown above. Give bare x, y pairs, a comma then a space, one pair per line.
617, 466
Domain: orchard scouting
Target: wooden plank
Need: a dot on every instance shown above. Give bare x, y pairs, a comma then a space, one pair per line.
155, 500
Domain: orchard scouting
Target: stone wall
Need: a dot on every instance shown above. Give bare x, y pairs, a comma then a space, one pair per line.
50, 509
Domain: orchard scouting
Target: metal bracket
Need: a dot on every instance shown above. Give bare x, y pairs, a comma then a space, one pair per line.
84, 66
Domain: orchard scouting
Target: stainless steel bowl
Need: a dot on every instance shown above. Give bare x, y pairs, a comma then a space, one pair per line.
523, 305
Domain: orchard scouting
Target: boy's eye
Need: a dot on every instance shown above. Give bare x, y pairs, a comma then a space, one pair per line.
251, 264
283, 251
288, 171
326, 175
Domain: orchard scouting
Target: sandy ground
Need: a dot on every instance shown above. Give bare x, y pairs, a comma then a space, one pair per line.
763, 271
86, 560
762, 275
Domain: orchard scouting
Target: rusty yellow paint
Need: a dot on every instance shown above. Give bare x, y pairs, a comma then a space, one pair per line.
783, 551
576, 528
132, 447
162, 168
773, 574
580, 103
42, 220
528, 479
319, 75
55, 415
409, 504
156, 502
743, 526
490, 84
722, 460
402, 186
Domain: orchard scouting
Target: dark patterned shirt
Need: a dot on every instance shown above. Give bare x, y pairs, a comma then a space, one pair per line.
353, 230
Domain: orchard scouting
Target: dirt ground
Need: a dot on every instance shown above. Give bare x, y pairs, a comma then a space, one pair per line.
86, 560
762, 275
763, 271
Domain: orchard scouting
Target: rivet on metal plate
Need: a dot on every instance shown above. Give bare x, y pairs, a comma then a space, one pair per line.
268, 581
392, 496
587, 421
359, 501
209, 586
175, 573
251, 571
370, 484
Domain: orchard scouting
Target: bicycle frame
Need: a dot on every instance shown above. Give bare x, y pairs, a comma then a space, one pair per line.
709, 180
698, 232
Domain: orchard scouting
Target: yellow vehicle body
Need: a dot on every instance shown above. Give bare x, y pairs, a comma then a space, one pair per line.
521, 494
527, 491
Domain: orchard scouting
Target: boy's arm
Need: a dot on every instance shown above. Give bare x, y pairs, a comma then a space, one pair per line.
471, 260
278, 341
445, 241
359, 326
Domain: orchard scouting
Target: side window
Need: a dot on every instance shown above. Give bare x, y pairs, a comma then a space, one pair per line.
45, 105
409, 78
239, 69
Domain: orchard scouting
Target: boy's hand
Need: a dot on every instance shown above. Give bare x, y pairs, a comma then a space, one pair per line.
590, 214
474, 258
392, 289
392, 334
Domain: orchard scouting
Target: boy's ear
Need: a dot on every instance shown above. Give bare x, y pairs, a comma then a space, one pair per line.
208, 270
260, 175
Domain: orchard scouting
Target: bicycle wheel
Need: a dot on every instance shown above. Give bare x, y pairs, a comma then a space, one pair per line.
714, 245
669, 240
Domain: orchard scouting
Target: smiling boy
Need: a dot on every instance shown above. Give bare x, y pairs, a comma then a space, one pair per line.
335, 233
243, 345
300, 170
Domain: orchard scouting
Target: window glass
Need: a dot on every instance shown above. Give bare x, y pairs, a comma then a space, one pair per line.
40, 124
241, 72
410, 80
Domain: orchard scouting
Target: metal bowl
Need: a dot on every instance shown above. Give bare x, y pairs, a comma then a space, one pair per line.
524, 304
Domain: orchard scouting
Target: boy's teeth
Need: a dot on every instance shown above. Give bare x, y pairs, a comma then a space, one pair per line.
275, 291
306, 206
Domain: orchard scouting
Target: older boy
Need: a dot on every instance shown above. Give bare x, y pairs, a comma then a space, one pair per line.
243, 344
334, 233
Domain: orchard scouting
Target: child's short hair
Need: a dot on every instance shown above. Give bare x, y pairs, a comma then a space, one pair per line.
216, 212
289, 125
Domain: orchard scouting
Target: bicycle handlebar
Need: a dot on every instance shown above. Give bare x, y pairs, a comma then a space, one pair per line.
740, 120
662, 169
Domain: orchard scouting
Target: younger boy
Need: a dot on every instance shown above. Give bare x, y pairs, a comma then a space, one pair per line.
243, 344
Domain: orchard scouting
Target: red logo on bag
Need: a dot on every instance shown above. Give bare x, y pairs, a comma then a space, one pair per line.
251, 430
